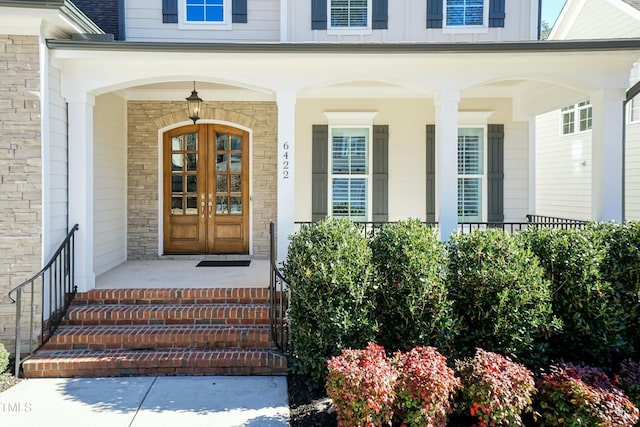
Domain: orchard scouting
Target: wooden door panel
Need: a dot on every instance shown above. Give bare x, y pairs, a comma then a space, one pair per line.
206, 190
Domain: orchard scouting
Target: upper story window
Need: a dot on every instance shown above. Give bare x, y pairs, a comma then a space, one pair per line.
205, 14
577, 118
349, 13
465, 13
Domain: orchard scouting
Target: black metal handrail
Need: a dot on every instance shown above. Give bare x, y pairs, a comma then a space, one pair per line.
59, 275
279, 299
544, 219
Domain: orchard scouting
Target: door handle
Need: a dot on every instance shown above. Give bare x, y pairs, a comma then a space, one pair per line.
210, 207
202, 208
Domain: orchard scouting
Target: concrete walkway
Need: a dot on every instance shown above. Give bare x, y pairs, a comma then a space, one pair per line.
147, 401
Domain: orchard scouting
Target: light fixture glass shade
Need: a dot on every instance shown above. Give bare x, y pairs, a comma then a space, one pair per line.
193, 104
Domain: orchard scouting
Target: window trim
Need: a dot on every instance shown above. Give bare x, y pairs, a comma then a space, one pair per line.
485, 166
461, 29
576, 110
351, 30
225, 24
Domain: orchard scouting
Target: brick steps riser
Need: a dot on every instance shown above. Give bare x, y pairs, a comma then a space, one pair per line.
173, 296
75, 338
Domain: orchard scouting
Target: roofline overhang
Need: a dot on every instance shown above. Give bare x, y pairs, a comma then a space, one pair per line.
66, 8
350, 48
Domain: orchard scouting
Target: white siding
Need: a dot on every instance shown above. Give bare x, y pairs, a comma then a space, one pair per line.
600, 19
407, 120
144, 23
632, 191
563, 170
57, 180
109, 247
408, 22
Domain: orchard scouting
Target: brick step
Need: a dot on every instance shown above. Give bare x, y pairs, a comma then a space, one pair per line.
113, 363
158, 337
174, 296
167, 314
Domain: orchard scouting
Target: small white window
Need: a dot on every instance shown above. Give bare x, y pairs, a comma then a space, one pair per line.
350, 177
205, 14
577, 118
471, 174
349, 16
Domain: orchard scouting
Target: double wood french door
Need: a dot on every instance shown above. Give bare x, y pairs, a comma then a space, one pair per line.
206, 190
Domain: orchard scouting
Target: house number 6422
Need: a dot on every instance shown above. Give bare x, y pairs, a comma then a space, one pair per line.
285, 160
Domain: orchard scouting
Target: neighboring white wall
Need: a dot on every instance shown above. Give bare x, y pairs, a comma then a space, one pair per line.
110, 136
632, 190
144, 23
408, 22
407, 120
57, 181
563, 170
597, 19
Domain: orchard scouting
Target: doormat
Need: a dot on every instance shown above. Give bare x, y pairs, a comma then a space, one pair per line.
225, 263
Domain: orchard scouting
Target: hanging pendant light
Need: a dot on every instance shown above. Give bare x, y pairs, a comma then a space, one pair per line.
193, 104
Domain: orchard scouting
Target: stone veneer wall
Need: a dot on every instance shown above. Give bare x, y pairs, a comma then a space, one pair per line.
20, 172
144, 120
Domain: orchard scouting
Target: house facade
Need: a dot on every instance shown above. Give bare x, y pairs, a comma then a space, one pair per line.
367, 109
565, 150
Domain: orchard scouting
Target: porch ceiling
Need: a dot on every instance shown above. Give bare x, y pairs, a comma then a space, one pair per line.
539, 76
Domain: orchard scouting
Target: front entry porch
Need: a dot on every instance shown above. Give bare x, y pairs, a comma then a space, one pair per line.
177, 273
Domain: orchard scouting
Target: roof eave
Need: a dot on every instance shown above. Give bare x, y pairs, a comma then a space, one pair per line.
364, 48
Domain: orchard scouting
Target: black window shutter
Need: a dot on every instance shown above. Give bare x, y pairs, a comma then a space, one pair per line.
380, 173
380, 15
431, 173
434, 13
495, 173
239, 11
319, 171
170, 11
496, 13
318, 14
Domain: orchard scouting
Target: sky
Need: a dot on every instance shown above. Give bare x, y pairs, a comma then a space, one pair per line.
551, 9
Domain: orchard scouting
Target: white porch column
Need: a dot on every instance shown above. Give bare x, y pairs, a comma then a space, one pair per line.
447, 162
80, 110
286, 171
607, 155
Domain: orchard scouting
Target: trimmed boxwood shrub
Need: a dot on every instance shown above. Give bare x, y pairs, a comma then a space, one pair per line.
412, 307
592, 309
328, 269
501, 297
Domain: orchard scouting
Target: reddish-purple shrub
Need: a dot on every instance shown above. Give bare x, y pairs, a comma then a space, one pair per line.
573, 396
628, 380
361, 384
425, 387
495, 390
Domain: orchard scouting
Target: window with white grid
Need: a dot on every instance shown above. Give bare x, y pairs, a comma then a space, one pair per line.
577, 118
346, 14
350, 176
461, 13
634, 109
471, 174
205, 14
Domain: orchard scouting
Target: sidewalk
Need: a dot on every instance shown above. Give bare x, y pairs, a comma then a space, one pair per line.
147, 401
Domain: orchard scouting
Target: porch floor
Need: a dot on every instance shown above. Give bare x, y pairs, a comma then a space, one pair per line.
183, 274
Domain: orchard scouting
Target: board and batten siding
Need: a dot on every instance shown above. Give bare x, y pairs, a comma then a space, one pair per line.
144, 23
406, 121
57, 181
110, 180
407, 21
563, 170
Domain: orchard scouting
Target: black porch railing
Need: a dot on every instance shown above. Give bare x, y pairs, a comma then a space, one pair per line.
55, 284
279, 299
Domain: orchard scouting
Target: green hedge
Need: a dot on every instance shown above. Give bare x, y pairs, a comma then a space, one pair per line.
500, 296
412, 307
4, 359
589, 303
328, 269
